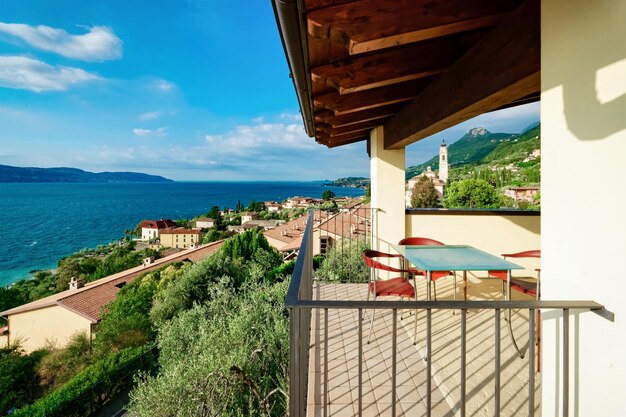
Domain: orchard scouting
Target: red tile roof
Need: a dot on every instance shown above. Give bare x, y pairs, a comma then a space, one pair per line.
157, 224
89, 300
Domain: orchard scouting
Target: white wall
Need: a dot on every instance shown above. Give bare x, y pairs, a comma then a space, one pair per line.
583, 115
387, 170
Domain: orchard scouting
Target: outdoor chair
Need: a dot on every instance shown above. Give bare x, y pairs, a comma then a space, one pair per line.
525, 285
398, 286
435, 275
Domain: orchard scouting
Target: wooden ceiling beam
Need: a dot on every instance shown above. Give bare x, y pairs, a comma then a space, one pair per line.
356, 127
369, 99
501, 68
371, 25
377, 113
393, 66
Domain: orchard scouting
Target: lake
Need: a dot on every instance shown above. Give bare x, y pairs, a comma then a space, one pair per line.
45, 222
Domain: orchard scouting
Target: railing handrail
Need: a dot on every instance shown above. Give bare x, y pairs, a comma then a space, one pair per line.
294, 286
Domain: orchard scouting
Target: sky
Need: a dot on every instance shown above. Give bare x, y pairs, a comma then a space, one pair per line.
191, 90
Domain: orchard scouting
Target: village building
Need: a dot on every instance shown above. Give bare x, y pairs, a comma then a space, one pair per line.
180, 237
522, 193
151, 229
55, 319
273, 207
205, 223
248, 216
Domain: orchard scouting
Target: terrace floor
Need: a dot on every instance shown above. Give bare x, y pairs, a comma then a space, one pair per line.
411, 367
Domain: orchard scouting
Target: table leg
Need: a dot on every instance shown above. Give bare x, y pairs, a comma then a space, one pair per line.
510, 325
465, 285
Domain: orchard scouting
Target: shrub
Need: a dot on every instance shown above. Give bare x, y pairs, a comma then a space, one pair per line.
19, 382
225, 357
343, 263
92, 387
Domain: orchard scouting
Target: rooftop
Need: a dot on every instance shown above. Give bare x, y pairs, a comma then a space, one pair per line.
89, 300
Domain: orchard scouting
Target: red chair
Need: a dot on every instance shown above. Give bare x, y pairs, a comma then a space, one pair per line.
398, 286
434, 275
525, 285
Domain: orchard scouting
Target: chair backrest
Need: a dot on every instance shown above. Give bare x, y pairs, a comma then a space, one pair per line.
535, 253
369, 255
418, 241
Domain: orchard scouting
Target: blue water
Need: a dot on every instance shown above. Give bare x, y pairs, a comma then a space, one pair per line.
45, 222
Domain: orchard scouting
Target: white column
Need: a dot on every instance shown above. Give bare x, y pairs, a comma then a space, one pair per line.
387, 169
583, 151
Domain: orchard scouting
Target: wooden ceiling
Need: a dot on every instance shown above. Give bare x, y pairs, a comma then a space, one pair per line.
388, 62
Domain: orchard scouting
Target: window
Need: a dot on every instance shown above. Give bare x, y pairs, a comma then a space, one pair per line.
323, 245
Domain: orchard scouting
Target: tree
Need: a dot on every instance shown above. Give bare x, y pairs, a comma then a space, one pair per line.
256, 206
328, 195
215, 214
471, 193
424, 194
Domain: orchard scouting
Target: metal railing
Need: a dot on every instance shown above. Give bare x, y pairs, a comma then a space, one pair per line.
300, 303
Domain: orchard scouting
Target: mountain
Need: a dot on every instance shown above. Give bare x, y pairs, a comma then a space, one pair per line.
350, 182
19, 174
517, 149
475, 145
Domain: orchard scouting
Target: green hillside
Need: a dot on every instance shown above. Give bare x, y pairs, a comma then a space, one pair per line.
472, 148
517, 149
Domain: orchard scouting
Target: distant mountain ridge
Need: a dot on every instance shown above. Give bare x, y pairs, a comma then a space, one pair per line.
63, 174
477, 144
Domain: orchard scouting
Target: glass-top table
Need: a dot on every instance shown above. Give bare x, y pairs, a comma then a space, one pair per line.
430, 258
453, 258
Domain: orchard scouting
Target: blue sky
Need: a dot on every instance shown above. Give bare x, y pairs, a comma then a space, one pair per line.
192, 90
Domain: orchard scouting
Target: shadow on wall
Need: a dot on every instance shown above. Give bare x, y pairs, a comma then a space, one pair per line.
588, 80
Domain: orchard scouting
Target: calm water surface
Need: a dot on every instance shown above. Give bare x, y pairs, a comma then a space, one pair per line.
45, 222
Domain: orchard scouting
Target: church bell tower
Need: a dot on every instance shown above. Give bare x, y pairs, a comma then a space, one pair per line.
443, 162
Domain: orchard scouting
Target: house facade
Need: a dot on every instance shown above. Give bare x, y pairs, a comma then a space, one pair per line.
151, 229
205, 223
180, 238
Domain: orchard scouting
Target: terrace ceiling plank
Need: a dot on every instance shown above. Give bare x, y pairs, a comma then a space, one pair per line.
501, 68
390, 67
370, 25
369, 99
377, 113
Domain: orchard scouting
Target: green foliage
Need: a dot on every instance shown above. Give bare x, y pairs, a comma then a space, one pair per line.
280, 273
256, 206
328, 195
213, 235
343, 263
227, 357
245, 244
424, 194
60, 365
216, 215
471, 193
92, 387
19, 381
10, 297
126, 322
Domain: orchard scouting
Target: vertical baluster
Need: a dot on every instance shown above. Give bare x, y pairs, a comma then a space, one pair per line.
531, 362
565, 362
360, 362
463, 359
326, 362
428, 362
394, 353
497, 361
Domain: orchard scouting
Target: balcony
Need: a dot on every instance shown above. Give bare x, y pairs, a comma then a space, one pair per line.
425, 358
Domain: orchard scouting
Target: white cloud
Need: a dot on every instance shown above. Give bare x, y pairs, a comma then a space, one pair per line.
164, 85
142, 132
98, 44
149, 115
25, 73
161, 131
246, 138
